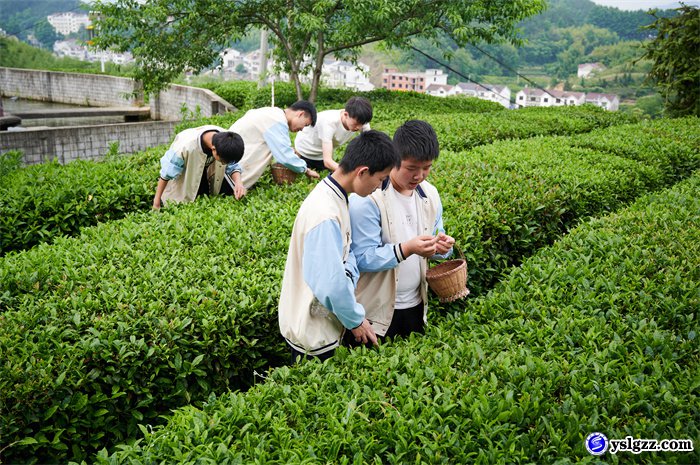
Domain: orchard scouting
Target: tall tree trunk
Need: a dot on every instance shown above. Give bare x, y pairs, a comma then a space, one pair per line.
318, 68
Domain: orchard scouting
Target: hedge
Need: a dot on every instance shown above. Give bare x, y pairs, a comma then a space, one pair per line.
41, 202
211, 324
84, 193
587, 336
457, 132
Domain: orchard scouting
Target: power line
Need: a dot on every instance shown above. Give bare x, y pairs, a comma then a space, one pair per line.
452, 69
478, 83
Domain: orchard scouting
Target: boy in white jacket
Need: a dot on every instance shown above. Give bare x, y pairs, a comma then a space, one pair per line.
395, 231
317, 304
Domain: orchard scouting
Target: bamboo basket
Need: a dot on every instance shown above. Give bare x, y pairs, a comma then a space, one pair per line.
449, 279
282, 175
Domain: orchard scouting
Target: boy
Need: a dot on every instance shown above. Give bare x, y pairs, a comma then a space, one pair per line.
394, 231
317, 303
334, 128
200, 161
265, 132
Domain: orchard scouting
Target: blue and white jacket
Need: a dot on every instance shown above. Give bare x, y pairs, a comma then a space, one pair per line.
317, 303
378, 253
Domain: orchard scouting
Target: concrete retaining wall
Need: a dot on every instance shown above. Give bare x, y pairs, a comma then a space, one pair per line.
195, 102
74, 88
89, 142
85, 142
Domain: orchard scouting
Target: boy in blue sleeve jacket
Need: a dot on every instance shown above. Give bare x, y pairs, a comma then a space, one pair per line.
395, 230
317, 303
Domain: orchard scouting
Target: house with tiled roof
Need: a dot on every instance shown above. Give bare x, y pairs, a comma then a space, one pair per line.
608, 101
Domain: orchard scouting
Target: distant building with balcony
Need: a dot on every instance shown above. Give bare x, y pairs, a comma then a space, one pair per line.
548, 98
341, 73
416, 81
69, 22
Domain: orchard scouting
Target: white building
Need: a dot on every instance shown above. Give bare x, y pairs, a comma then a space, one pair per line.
334, 73
548, 98
493, 93
588, 69
439, 90
340, 73
67, 23
608, 101
75, 49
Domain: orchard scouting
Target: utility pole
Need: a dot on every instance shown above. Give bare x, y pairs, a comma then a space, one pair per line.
263, 58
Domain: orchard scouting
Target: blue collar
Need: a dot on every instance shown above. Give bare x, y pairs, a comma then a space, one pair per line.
334, 184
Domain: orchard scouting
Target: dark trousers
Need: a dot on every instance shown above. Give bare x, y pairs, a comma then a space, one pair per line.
299, 356
404, 322
314, 164
226, 188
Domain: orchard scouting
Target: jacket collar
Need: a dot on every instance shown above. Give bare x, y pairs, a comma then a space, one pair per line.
335, 187
419, 188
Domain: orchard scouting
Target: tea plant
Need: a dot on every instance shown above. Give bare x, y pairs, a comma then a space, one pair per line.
586, 336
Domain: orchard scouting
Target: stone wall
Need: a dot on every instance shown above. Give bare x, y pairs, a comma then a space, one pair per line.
74, 88
168, 105
91, 142
85, 142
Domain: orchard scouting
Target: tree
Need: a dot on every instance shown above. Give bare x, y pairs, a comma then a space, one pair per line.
168, 37
676, 69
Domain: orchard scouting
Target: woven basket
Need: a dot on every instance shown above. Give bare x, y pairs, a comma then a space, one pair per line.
449, 280
283, 175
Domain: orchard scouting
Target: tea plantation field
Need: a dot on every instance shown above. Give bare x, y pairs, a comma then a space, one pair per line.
132, 336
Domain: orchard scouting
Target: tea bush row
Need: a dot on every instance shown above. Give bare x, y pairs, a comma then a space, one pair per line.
41, 202
44, 201
135, 317
458, 132
116, 315
595, 334
246, 95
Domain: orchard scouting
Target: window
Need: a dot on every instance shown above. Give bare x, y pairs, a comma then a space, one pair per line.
546, 100
521, 97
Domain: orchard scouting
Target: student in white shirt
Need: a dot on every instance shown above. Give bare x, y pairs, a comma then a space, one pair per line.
395, 231
265, 132
315, 145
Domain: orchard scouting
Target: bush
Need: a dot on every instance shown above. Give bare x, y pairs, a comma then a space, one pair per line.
157, 310
41, 202
586, 336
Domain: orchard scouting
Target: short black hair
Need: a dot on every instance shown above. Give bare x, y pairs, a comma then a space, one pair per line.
229, 146
308, 107
372, 149
360, 109
416, 139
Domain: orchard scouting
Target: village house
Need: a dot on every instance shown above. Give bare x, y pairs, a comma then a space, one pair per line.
68, 23
610, 102
548, 98
416, 81
588, 69
493, 93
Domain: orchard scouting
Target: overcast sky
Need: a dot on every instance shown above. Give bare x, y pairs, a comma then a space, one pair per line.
644, 4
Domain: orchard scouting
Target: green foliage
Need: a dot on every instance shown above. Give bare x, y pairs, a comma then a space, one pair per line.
461, 133
41, 202
587, 336
16, 54
136, 317
169, 36
9, 162
676, 69
139, 316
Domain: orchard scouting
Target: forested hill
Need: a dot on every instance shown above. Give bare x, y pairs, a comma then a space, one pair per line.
574, 13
